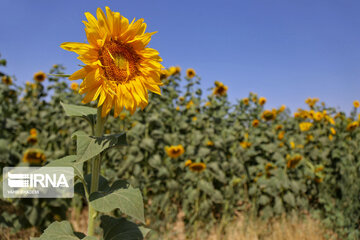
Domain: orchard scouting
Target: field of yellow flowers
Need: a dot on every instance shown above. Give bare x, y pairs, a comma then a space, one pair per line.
205, 157
185, 153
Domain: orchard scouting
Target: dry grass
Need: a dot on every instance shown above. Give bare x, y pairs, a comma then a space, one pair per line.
285, 228
290, 228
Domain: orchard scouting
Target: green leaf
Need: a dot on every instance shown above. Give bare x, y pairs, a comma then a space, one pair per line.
129, 200
60, 231
89, 147
120, 228
88, 113
68, 161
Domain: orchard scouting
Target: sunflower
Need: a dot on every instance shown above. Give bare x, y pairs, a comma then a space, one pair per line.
122, 116
190, 73
269, 115
281, 135
282, 108
34, 156
174, 151
279, 127
164, 73
331, 137
33, 132
245, 144
352, 126
210, 143
74, 86
207, 104
305, 126
245, 101
197, 167
6, 80
32, 139
177, 108
220, 89
255, 123
174, 70
120, 68
39, 76
189, 104
188, 163
293, 161
356, 104
333, 131
262, 101
318, 116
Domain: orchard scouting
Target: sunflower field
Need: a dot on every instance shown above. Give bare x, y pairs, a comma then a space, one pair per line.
189, 151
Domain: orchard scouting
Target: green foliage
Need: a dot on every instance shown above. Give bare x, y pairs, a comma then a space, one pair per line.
247, 167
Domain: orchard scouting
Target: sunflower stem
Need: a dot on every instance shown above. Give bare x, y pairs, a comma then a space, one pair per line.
95, 172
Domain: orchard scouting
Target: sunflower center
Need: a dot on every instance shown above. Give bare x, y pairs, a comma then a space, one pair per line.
119, 62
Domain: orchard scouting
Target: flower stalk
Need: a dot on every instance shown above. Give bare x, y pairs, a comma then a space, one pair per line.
95, 172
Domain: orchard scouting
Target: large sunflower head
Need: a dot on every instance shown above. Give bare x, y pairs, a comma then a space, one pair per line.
220, 89
119, 67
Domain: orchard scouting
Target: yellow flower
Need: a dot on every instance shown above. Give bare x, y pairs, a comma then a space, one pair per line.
318, 116
356, 104
188, 163
189, 104
246, 101
33, 132
220, 89
6, 80
282, 108
331, 120
181, 99
333, 131
210, 143
120, 68
255, 123
262, 101
174, 151
281, 144
74, 86
279, 127
310, 137
293, 161
32, 139
190, 73
311, 101
292, 145
245, 144
281, 135
164, 73
174, 70
319, 168
134, 124
331, 137
269, 115
305, 126
34, 156
207, 104
351, 126
122, 116
194, 119
197, 167
39, 76
318, 179
296, 115
177, 108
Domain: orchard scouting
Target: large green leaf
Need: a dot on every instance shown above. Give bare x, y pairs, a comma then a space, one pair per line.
129, 200
61, 231
68, 161
121, 229
89, 147
88, 113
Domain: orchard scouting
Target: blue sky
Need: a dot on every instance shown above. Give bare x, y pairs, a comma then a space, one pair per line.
285, 50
